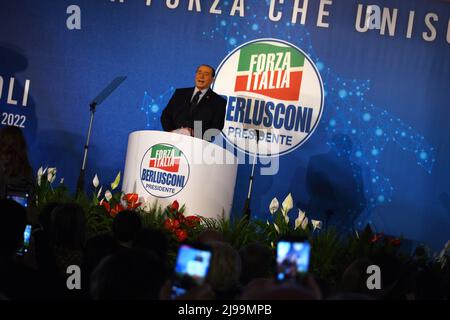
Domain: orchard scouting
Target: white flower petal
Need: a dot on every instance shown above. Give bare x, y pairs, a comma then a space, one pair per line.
317, 224
304, 224
274, 205
39, 176
95, 181
287, 204
99, 192
300, 218
51, 174
108, 195
286, 219
61, 181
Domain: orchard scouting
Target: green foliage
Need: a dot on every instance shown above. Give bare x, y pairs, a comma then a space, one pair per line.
326, 255
45, 193
237, 232
152, 218
331, 253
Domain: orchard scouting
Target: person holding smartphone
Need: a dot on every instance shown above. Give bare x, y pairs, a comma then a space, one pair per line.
19, 278
189, 276
293, 255
292, 279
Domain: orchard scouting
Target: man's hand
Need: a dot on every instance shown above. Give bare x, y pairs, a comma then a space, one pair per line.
203, 292
185, 131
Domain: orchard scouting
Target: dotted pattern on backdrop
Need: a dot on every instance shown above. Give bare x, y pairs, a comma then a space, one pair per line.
347, 111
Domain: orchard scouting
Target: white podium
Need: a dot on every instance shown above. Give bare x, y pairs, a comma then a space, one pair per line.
167, 166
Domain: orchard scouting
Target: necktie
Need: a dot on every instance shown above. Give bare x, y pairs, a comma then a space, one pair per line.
195, 99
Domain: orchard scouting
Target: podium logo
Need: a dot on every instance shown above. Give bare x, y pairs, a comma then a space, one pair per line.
275, 100
164, 170
269, 70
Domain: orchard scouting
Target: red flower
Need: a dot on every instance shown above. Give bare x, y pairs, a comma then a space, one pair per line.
114, 210
192, 221
132, 200
175, 205
376, 237
181, 234
171, 224
117, 208
106, 205
131, 197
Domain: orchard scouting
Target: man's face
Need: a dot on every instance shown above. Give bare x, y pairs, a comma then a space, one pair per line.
203, 77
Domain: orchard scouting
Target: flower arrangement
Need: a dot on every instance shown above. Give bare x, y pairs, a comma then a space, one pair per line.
282, 224
331, 252
180, 226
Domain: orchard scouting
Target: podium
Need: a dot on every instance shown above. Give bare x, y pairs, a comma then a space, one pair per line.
166, 166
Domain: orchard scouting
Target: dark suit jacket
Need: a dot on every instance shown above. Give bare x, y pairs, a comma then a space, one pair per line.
210, 110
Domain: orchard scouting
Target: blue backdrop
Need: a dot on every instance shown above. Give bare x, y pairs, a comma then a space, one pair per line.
380, 153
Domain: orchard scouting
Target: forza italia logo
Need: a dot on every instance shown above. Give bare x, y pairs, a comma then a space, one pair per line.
275, 98
164, 170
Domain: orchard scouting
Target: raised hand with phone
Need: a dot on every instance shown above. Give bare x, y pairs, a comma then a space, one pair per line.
293, 255
191, 268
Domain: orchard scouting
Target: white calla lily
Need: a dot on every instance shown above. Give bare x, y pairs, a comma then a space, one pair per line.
317, 224
286, 219
274, 205
95, 181
287, 204
300, 218
108, 195
40, 172
51, 174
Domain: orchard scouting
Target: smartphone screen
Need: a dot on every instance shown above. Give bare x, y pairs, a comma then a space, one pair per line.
21, 199
292, 259
26, 241
191, 268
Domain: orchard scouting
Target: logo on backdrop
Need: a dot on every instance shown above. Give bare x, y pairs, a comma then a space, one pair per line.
164, 170
275, 97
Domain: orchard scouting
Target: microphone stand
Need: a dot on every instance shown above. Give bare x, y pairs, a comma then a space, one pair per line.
80, 182
246, 212
97, 101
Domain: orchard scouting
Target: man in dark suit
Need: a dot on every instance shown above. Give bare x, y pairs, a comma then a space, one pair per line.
193, 105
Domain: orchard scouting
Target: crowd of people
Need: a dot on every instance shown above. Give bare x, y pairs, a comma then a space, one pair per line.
133, 262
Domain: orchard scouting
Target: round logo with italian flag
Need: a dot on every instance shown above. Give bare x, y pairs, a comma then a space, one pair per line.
275, 97
164, 170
